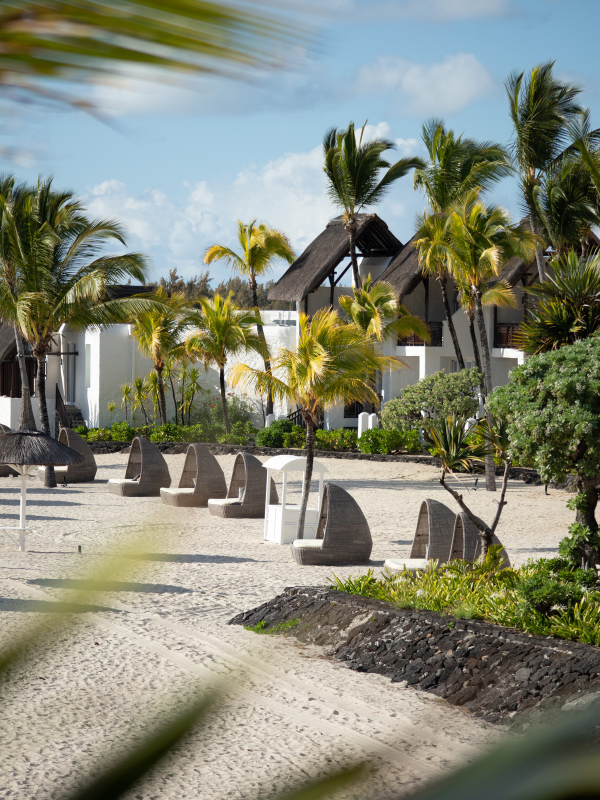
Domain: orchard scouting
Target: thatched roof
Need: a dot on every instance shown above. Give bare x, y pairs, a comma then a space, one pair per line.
33, 448
404, 271
8, 346
328, 250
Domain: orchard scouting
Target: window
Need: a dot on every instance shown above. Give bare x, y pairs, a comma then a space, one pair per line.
88, 365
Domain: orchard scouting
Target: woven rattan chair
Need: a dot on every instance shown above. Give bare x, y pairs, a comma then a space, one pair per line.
76, 473
249, 475
466, 542
201, 479
145, 460
433, 538
5, 470
343, 535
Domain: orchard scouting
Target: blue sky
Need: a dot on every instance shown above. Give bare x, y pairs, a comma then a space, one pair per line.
179, 166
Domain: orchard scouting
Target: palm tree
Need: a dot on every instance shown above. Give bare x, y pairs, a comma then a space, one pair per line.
455, 166
333, 362
355, 179
261, 247
223, 330
542, 109
68, 41
568, 307
158, 333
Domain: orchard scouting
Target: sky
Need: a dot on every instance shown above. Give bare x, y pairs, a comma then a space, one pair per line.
179, 165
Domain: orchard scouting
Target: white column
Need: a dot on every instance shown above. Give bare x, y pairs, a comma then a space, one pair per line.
373, 421
363, 423
269, 419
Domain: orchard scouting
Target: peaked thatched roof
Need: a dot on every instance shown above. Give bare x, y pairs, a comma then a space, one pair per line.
34, 448
404, 271
322, 256
8, 346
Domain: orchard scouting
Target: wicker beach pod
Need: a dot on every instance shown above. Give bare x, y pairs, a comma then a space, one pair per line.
145, 460
6, 471
76, 473
343, 535
4, 429
433, 536
466, 542
248, 474
201, 479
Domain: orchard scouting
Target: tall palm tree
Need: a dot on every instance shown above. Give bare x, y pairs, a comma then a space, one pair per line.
62, 277
479, 240
223, 330
541, 109
358, 176
333, 362
454, 167
261, 247
159, 334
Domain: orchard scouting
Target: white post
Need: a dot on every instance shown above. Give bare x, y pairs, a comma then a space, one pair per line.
268, 497
373, 421
23, 510
320, 495
269, 419
363, 423
281, 416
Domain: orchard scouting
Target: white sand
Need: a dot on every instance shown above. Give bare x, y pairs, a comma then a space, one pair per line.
289, 713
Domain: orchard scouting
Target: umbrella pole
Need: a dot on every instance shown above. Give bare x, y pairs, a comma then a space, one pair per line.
23, 511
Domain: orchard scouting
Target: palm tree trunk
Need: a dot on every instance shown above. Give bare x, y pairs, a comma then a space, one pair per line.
310, 457
490, 469
263, 339
162, 402
224, 399
459, 356
174, 399
351, 228
49, 474
539, 253
26, 419
476, 353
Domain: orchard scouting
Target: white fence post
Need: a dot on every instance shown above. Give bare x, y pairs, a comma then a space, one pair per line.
269, 419
373, 421
363, 423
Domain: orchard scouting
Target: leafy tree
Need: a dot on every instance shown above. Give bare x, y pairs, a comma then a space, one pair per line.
541, 110
261, 248
223, 330
432, 399
358, 176
551, 408
568, 305
158, 333
455, 166
199, 286
334, 362
193, 289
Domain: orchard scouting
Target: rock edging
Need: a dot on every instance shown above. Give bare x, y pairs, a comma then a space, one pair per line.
492, 671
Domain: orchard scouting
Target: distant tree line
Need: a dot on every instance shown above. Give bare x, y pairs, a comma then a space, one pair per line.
200, 286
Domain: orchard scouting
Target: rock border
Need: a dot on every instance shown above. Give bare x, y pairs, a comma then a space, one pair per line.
493, 672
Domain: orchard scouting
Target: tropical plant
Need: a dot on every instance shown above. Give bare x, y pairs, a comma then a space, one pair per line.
568, 305
358, 176
432, 399
159, 334
126, 391
221, 331
455, 166
550, 405
273, 435
541, 109
333, 362
139, 398
384, 441
261, 247
193, 389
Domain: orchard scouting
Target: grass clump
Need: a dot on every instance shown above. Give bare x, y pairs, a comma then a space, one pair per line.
262, 627
549, 597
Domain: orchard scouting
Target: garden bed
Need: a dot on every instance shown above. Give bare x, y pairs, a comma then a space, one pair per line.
492, 671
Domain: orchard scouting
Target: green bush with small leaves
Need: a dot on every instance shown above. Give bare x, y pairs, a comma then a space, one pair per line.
296, 437
383, 442
273, 435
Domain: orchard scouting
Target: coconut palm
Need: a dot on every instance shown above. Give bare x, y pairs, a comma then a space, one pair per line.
358, 176
568, 307
541, 108
455, 166
222, 330
333, 362
261, 247
159, 334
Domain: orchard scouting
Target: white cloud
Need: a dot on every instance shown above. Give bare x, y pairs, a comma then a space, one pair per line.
442, 88
288, 193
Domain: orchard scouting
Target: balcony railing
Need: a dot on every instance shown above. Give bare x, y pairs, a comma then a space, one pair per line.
352, 410
436, 337
506, 335
296, 418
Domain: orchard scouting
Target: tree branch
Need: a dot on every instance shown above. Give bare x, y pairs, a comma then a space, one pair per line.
479, 523
502, 502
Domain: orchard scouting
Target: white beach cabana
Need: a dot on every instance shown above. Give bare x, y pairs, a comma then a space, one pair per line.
281, 520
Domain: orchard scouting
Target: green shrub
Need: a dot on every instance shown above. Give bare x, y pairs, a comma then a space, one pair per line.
384, 442
295, 438
433, 398
273, 435
82, 430
241, 433
338, 440
544, 593
122, 432
99, 435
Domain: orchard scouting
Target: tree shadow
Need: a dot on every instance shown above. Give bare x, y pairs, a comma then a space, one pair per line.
40, 502
49, 607
109, 586
187, 558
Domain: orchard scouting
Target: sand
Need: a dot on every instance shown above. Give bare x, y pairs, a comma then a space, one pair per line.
157, 634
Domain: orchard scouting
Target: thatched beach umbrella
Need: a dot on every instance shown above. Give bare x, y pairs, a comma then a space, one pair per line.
25, 451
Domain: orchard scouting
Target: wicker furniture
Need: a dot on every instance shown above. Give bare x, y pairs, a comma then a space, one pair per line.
75, 473
433, 538
5, 470
466, 542
343, 535
145, 460
202, 478
249, 475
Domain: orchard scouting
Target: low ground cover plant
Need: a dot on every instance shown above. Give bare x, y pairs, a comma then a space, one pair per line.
242, 433
549, 597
